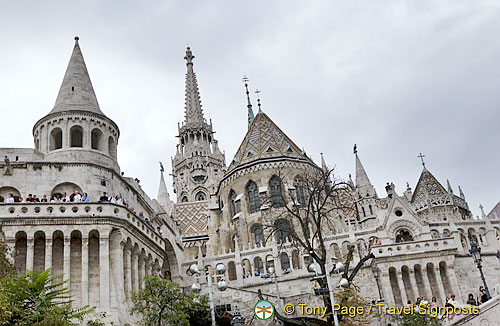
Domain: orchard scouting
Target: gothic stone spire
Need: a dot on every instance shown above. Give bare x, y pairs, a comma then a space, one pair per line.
194, 113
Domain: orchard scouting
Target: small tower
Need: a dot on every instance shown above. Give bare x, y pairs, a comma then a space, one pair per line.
76, 130
198, 163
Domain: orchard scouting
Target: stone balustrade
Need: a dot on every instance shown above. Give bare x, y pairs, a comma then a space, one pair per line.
413, 247
81, 211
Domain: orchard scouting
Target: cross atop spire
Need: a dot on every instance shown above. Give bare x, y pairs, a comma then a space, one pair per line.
421, 156
258, 100
249, 105
194, 112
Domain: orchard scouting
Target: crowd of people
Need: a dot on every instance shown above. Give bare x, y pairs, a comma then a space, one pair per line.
77, 197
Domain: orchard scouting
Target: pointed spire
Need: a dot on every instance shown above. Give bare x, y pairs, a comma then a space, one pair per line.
258, 100
76, 92
194, 113
249, 105
450, 190
461, 193
323, 163
163, 195
483, 214
362, 180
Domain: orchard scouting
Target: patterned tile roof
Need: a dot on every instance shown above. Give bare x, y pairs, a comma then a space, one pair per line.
192, 217
427, 186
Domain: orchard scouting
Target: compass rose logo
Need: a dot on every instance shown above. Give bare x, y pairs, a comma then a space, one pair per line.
263, 310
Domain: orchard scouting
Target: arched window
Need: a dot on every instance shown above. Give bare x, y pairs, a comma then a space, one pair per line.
299, 191
231, 271
184, 199
55, 139
258, 234
200, 196
403, 235
253, 197
276, 194
259, 266
232, 200
112, 147
285, 261
283, 230
363, 209
95, 139
76, 136
295, 259
371, 209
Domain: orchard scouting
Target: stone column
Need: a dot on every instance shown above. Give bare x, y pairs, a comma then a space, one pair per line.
104, 272
48, 253
30, 254
135, 274
67, 257
427, 284
129, 271
85, 271
147, 267
439, 281
413, 282
401, 286
140, 271
385, 287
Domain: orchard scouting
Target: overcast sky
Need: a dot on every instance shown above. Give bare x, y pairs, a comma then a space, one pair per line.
395, 77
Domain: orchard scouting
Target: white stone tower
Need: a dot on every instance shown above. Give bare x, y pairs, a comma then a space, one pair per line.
198, 163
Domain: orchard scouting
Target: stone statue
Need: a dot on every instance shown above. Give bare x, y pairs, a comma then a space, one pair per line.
8, 167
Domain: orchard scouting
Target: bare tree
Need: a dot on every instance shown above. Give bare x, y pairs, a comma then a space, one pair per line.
320, 204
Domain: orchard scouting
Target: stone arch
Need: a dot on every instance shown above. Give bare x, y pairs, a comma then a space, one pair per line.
65, 187
346, 245
413, 227
431, 275
57, 253
93, 266
463, 239
253, 197
258, 264
296, 259
417, 269
403, 235
258, 234
112, 148
20, 252
435, 234
76, 263
443, 272
247, 268
396, 291
362, 249
76, 136
6, 190
405, 274
298, 183
482, 237
171, 260
276, 191
471, 233
200, 196
335, 250
283, 230
96, 139
231, 271
285, 261
269, 262
39, 251
56, 139
446, 233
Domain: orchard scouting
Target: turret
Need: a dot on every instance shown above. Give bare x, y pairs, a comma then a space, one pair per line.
76, 130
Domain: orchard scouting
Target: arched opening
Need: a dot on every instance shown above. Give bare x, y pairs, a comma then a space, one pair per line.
200, 196
259, 266
276, 192
405, 274
299, 190
371, 209
403, 235
232, 201
435, 234
253, 197
362, 249
67, 188
39, 252
9, 194
433, 281
20, 252
295, 259
472, 235
285, 262
96, 139
346, 245
231, 271
112, 147
420, 281
269, 262
76, 136
335, 250
247, 268
55, 139
443, 272
258, 234
76, 264
396, 291
283, 230
57, 253
93, 265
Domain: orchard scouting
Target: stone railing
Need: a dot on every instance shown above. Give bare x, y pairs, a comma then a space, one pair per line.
41, 211
413, 247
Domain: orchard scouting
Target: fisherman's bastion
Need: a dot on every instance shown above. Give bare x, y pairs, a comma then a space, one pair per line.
419, 234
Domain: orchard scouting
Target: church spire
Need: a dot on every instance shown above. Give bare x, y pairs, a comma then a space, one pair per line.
249, 105
163, 195
323, 163
76, 92
362, 181
194, 113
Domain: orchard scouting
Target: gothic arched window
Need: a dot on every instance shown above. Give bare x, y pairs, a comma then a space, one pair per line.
232, 200
403, 235
258, 234
200, 196
253, 197
276, 194
283, 230
285, 261
299, 191
371, 209
184, 199
363, 209
76, 136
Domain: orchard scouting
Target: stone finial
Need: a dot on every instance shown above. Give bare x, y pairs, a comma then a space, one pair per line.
189, 56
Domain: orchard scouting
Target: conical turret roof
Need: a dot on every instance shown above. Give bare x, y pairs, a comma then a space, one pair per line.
76, 92
265, 140
427, 186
